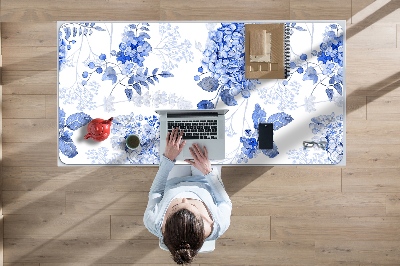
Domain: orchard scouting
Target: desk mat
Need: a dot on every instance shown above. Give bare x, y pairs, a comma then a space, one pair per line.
126, 70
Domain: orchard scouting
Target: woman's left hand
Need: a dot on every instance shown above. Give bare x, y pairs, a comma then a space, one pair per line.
174, 144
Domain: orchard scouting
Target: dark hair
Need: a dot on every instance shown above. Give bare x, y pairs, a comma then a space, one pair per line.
184, 235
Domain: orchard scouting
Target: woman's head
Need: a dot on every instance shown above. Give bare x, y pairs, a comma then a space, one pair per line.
184, 235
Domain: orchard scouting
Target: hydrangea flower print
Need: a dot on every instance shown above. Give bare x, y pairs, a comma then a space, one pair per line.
222, 69
126, 67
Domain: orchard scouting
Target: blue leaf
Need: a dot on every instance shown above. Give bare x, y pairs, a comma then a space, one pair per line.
99, 28
154, 71
279, 120
329, 93
258, 116
132, 79
332, 80
149, 80
144, 84
271, 153
144, 29
300, 28
209, 84
77, 120
338, 88
110, 74
205, 104
146, 71
144, 35
156, 79
61, 118
166, 74
74, 32
137, 88
227, 98
67, 146
128, 93
67, 31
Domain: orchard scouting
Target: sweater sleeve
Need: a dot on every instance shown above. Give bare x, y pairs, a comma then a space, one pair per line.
156, 194
222, 199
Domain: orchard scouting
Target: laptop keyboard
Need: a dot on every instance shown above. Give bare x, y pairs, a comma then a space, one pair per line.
196, 129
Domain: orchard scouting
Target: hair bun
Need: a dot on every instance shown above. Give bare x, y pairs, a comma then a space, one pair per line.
183, 255
184, 245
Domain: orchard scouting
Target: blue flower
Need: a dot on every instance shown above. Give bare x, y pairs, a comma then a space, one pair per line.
196, 78
311, 74
205, 104
300, 70
85, 74
102, 57
303, 57
134, 47
209, 84
223, 59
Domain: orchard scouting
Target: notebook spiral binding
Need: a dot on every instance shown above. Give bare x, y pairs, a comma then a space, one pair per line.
287, 50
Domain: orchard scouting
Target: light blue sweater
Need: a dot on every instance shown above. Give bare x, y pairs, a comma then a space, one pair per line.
208, 188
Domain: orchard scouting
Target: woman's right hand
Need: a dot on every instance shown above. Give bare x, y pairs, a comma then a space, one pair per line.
200, 159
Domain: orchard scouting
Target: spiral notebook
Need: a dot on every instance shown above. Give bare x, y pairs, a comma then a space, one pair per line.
267, 51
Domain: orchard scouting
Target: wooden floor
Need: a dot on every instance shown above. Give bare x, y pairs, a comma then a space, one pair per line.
281, 215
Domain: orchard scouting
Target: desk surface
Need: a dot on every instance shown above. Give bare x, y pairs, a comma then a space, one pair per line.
127, 70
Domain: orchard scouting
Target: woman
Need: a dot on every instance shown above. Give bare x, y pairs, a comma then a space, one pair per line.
186, 209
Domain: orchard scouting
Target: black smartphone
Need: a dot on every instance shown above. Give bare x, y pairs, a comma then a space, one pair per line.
265, 136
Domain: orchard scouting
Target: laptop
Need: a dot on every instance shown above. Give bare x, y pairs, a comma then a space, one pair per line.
204, 127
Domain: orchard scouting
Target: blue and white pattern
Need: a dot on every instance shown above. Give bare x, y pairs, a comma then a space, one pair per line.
127, 70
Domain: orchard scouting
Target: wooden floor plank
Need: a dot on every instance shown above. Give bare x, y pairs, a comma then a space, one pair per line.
78, 179
43, 11
382, 155
379, 79
22, 153
383, 108
24, 106
284, 179
309, 204
128, 227
15, 130
379, 180
335, 228
363, 252
172, 10
332, 10
356, 108
107, 203
33, 202
29, 82
373, 132
18, 35
44, 62
147, 251
53, 226
393, 204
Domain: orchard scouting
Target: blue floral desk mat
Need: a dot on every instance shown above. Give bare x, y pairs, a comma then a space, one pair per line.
127, 70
